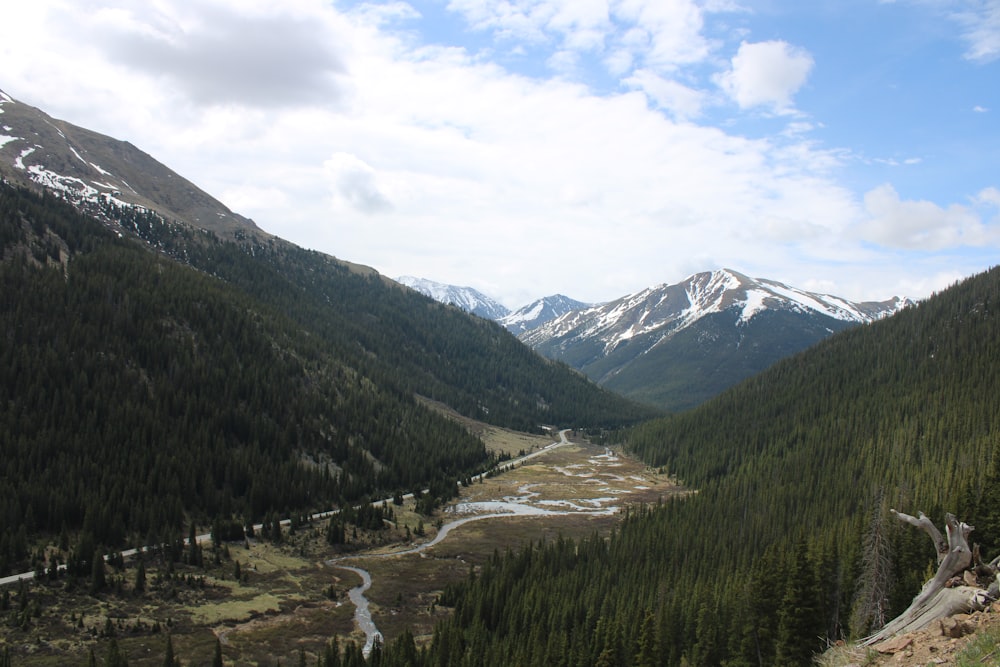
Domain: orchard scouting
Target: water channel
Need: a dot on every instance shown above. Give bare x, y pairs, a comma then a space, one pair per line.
496, 509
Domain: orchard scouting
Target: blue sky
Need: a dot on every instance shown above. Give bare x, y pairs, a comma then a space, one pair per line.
587, 147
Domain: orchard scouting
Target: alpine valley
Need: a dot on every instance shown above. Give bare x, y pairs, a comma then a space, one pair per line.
221, 448
139, 312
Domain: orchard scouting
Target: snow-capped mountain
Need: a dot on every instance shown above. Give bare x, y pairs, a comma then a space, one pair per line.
466, 298
677, 345
539, 312
92, 170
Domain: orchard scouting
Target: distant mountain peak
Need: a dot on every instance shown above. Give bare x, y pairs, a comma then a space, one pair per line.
467, 298
715, 291
539, 312
697, 328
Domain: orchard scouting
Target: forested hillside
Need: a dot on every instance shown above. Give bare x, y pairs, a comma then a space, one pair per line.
138, 394
794, 469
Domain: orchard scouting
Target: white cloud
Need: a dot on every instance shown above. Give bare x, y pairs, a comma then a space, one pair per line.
989, 197
662, 35
222, 54
981, 22
680, 100
766, 74
923, 225
252, 197
511, 19
355, 183
674, 31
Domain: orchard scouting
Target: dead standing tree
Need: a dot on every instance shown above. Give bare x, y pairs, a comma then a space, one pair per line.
943, 595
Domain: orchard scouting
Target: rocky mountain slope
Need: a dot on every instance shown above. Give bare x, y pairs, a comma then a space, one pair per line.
91, 170
538, 312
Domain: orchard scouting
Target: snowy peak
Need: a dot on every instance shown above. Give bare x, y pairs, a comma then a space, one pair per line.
668, 309
717, 291
466, 298
473, 301
539, 312
678, 345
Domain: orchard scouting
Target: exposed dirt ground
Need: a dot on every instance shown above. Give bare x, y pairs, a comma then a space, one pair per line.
934, 645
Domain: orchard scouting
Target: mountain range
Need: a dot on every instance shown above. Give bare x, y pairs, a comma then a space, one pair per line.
538, 312
675, 345
473, 301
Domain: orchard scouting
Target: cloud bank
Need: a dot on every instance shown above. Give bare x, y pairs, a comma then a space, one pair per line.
343, 129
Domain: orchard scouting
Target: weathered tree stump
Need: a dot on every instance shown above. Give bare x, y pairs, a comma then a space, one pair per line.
938, 599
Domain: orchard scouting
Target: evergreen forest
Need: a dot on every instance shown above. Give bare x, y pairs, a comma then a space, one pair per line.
207, 380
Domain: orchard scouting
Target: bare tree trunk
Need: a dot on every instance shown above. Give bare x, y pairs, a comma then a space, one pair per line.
872, 599
937, 600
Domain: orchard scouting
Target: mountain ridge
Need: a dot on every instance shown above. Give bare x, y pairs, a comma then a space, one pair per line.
468, 299
91, 170
675, 345
539, 312
681, 304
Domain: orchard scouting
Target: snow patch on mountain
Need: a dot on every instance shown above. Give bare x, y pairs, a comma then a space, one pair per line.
19, 162
73, 150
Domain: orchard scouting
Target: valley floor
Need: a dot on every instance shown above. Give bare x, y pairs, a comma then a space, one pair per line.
265, 602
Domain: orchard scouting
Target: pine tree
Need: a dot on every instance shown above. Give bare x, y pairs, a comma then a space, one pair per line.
97, 576
799, 622
169, 660
116, 657
871, 603
140, 577
648, 655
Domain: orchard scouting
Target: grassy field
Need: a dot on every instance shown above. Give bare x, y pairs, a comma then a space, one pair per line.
290, 599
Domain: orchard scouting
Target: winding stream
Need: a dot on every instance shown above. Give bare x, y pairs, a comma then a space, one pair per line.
362, 615
506, 508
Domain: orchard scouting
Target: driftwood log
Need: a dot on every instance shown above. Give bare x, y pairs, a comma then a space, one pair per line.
947, 593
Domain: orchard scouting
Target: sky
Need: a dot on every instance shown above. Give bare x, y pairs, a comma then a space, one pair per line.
591, 148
